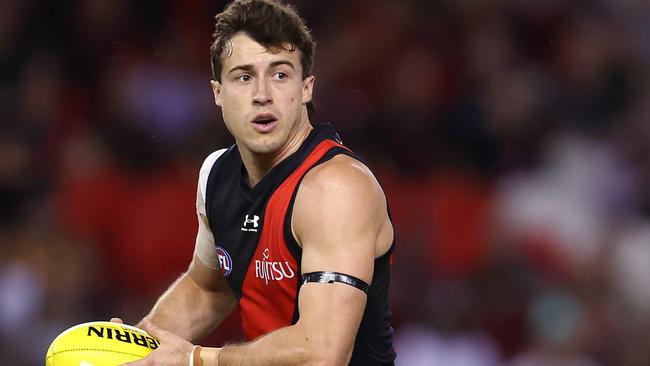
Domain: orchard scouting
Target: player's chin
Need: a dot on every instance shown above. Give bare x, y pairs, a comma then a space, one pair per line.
265, 145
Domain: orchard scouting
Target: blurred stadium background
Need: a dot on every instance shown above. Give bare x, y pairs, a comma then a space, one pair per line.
512, 138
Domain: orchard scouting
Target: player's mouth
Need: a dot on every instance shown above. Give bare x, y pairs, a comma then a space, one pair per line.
264, 122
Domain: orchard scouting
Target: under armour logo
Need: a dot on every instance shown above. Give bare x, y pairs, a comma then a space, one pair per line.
248, 222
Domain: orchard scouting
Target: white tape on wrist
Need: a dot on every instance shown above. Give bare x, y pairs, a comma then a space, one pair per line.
191, 362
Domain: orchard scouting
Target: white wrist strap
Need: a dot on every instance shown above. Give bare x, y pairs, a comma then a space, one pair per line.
191, 363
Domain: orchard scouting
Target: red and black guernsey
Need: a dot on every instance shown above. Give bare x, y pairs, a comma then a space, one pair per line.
261, 259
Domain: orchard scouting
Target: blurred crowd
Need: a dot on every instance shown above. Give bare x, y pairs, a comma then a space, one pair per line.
512, 138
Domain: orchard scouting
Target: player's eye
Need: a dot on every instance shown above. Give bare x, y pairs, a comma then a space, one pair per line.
280, 75
244, 78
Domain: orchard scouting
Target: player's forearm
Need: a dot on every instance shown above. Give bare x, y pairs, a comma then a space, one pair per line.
291, 345
189, 310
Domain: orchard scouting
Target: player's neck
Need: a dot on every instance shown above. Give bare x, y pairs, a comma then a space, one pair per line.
258, 165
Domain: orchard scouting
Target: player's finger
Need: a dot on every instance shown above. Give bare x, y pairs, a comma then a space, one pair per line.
117, 320
149, 327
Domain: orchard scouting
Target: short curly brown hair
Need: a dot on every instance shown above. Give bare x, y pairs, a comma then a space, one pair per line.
270, 23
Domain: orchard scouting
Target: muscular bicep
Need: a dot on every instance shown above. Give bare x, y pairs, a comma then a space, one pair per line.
338, 218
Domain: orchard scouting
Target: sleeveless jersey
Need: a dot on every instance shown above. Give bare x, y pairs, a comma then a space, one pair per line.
260, 258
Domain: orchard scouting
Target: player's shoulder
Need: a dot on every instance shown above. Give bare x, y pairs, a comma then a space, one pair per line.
206, 167
342, 174
339, 193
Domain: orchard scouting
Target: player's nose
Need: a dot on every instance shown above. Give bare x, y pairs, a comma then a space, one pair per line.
262, 95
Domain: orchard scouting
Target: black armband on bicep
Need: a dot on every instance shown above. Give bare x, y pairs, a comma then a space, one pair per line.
331, 277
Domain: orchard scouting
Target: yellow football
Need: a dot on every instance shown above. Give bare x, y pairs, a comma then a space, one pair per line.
99, 344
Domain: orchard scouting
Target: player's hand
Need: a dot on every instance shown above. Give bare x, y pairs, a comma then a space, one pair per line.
117, 320
173, 350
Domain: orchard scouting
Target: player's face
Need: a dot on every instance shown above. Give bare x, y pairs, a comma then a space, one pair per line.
262, 96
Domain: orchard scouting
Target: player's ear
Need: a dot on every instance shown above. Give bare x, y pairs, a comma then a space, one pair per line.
216, 89
307, 88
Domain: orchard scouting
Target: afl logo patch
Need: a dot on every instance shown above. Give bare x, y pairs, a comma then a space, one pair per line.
225, 261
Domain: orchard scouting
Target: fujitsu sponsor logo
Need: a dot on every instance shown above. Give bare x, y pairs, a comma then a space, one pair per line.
270, 270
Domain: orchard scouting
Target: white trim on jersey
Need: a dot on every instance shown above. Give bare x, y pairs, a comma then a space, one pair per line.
204, 173
204, 249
